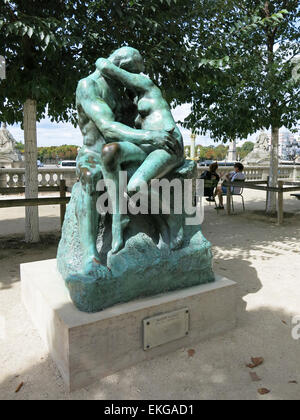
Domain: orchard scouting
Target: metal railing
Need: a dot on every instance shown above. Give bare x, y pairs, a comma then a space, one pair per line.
281, 188
62, 199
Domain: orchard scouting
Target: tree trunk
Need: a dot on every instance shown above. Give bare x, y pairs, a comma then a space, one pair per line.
273, 174
31, 171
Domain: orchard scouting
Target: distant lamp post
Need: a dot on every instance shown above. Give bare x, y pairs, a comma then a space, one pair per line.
187, 151
198, 152
2, 68
231, 157
193, 142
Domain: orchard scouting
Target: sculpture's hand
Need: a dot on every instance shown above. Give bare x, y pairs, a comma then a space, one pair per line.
89, 173
101, 63
165, 141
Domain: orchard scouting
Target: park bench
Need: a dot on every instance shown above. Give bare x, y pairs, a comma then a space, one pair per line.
62, 200
281, 188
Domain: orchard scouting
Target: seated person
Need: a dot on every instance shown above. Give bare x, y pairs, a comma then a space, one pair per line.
209, 175
236, 175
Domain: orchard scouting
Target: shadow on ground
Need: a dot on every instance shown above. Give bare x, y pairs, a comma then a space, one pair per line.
216, 371
15, 251
248, 251
12, 226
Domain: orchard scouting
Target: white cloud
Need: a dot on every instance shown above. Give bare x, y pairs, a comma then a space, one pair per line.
180, 113
51, 134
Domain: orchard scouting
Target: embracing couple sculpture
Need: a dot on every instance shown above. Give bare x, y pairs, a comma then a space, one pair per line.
126, 123
128, 132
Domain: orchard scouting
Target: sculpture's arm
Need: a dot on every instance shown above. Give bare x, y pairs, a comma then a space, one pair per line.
103, 117
129, 80
101, 114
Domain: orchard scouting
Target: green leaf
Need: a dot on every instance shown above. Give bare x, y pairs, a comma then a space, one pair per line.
47, 40
29, 32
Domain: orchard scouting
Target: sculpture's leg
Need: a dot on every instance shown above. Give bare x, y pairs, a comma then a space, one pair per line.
88, 219
175, 223
164, 231
89, 171
113, 156
157, 164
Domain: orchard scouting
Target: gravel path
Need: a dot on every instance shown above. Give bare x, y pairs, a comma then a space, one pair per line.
262, 258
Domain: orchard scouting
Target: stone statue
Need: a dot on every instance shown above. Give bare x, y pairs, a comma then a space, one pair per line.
260, 154
8, 153
262, 143
127, 127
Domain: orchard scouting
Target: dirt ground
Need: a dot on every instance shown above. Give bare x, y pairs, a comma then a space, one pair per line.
263, 258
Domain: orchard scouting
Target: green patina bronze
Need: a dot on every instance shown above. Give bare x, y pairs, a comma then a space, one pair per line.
127, 126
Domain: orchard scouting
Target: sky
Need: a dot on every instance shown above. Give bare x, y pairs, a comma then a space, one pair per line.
56, 134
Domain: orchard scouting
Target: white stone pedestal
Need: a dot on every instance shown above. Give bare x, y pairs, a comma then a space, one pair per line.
88, 347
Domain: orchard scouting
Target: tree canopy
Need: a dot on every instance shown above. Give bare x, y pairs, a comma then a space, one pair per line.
210, 152
49, 46
244, 80
36, 43
215, 54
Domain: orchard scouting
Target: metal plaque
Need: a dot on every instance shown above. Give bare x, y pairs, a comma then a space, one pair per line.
162, 329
